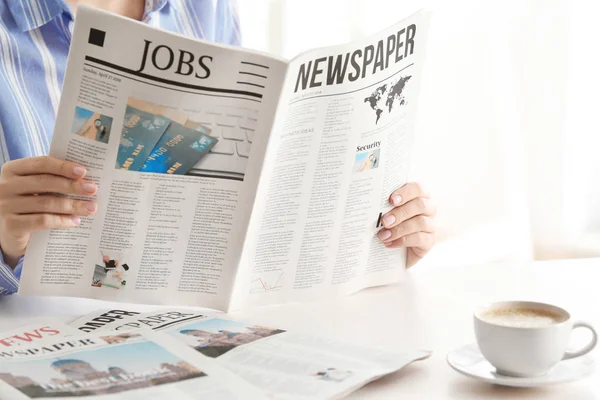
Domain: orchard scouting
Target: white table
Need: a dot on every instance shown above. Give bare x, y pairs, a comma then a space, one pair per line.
431, 310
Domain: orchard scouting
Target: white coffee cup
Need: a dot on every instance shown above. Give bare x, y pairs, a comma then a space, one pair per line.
531, 346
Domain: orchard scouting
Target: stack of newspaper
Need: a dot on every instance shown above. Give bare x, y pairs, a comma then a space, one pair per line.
185, 354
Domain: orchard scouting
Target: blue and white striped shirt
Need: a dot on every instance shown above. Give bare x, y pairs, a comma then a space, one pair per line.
34, 43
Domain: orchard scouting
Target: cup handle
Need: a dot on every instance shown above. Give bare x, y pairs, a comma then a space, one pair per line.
588, 347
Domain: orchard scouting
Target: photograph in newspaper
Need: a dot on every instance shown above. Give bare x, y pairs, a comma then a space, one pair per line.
111, 270
215, 337
367, 160
92, 125
110, 366
162, 139
172, 150
107, 370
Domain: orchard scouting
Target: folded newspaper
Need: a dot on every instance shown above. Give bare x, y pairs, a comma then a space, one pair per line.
228, 177
182, 353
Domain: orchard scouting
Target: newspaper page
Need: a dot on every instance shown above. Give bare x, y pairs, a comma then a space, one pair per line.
143, 365
284, 364
173, 131
41, 329
340, 145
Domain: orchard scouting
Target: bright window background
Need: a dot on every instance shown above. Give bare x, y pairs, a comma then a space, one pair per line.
507, 133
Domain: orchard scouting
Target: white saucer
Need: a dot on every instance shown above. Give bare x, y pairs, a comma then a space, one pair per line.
468, 361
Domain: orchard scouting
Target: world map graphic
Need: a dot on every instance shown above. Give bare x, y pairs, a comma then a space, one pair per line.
392, 93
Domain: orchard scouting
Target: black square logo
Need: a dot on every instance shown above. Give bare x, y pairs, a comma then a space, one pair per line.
96, 37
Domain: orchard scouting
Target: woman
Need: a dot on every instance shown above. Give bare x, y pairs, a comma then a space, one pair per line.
34, 43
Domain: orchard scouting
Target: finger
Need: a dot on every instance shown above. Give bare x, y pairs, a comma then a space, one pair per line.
418, 206
36, 184
419, 223
423, 241
44, 165
37, 222
51, 205
406, 193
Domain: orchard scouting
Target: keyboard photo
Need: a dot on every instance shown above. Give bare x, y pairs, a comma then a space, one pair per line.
234, 129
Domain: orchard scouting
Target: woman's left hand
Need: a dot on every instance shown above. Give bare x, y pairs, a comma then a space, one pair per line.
410, 223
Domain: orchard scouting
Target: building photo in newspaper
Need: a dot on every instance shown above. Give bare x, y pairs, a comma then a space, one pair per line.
117, 368
215, 337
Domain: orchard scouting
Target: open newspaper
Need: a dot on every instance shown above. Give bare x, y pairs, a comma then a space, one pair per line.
227, 177
284, 365
141, 365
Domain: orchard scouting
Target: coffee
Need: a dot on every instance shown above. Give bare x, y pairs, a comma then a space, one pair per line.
526, 339
521, 317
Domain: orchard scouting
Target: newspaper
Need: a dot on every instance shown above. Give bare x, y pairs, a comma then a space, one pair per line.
141, 365
227, 177
284, 364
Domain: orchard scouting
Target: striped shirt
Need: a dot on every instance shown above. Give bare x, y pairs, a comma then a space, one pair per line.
34, 43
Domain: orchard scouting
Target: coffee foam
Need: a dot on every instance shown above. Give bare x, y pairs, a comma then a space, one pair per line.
521, 317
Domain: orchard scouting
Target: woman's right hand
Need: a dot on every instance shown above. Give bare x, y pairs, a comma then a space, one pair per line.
30, 200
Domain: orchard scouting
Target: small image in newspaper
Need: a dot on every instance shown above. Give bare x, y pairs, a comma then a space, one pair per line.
138, 365
91, 125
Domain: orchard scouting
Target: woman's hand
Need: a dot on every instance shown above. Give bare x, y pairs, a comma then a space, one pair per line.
29, 200
410, 223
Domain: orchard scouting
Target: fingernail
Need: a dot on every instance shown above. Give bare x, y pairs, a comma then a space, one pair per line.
79, 171
388, 220
90, 206
89, 187
396, 200
384, 234
76, 221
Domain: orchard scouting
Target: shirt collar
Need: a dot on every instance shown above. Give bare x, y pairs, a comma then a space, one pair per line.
152, 6
31, 14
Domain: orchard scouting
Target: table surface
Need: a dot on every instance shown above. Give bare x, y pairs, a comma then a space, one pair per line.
431, 309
